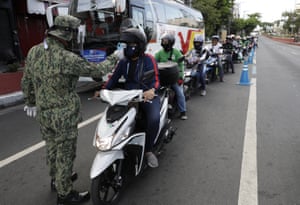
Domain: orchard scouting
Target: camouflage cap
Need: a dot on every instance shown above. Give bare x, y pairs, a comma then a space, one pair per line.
64, 26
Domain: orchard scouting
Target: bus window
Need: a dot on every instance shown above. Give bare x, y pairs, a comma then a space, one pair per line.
150, 29
138, 16
173, 16
160, 13
188, 20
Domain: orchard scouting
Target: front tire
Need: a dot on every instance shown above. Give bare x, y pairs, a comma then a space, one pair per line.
107, 187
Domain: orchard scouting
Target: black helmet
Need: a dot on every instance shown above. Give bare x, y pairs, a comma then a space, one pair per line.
198, 42
167, 41
137, 36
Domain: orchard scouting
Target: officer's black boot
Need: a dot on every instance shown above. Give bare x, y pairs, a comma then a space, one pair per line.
73, 198
52, 184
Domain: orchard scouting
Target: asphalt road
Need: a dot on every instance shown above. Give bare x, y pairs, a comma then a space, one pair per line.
240, 144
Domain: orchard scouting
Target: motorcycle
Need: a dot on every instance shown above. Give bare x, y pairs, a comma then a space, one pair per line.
227, 54
212, 67
120, 140
238, 54
191, 84
172, 74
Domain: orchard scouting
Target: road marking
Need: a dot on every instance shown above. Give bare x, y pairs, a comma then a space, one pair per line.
41, 144
248, 180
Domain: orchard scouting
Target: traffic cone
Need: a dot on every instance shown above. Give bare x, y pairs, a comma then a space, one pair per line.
250, 57
244, 80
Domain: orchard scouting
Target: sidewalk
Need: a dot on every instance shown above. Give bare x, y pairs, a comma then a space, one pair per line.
11, 99
15, 98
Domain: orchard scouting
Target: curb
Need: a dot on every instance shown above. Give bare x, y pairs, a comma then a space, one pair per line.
11, 99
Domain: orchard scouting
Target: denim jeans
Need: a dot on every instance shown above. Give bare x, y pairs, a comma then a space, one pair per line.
178, 89
220, 71
152, 111
201, 76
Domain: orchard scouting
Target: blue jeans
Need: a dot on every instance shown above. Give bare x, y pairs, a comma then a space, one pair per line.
201, 76
220, 66
152, 113
178, 89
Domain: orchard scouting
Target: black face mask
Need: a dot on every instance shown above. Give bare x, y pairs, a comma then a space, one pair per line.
131, 51
198, 45
166, 47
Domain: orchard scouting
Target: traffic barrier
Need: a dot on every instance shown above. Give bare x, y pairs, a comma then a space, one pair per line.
244, 79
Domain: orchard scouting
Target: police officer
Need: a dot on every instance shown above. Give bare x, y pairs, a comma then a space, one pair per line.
49, 83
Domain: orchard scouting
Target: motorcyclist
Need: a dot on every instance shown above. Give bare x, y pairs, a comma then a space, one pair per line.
132, 67
216, 49
199, 54
228, 51
168, 53
49, 86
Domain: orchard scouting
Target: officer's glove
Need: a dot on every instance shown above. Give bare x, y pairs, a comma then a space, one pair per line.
30, 111
119, 53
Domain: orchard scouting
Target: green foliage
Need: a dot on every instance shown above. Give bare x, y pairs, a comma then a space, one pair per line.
245, 26
218, 14
215, 13
291, 22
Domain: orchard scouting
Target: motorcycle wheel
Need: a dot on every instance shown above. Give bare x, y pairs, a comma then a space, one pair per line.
107, 187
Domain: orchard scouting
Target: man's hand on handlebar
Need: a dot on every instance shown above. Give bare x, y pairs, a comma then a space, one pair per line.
149, 94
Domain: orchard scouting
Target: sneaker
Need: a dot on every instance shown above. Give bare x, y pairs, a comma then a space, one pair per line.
203, 92
151, 160
183, 116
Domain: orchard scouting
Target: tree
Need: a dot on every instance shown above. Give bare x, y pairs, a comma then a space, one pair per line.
216, 13
292, 22
245, 26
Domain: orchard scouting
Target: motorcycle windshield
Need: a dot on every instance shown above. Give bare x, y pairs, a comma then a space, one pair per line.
120, 97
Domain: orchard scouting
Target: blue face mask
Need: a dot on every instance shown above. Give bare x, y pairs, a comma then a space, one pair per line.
131, 51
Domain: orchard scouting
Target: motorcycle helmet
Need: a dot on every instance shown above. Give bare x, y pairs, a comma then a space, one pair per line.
135, 40
215, 37
167, 41
198, 42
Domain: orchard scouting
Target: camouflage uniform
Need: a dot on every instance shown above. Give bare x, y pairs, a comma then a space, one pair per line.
49, 83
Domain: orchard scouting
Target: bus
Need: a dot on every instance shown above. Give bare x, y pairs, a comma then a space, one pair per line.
102, 20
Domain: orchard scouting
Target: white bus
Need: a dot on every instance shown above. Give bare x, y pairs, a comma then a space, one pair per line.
103, 18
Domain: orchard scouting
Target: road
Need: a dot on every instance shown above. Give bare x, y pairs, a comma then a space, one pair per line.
239, 146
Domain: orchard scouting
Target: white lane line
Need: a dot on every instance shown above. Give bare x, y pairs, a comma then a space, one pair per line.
41, 144
248, 180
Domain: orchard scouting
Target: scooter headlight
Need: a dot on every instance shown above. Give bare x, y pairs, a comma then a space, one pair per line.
103, 143
106, 143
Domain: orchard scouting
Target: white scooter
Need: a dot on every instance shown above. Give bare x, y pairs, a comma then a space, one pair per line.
120, 139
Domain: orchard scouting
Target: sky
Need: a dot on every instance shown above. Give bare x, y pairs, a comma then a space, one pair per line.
270, 10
